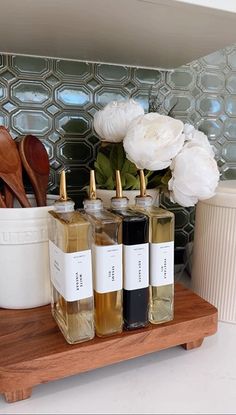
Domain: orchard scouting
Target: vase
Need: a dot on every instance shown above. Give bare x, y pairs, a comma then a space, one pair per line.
106, 195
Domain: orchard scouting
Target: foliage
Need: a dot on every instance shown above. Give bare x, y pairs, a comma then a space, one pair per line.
112, 157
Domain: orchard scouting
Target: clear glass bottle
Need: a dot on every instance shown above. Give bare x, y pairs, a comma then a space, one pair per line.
71, 270
161, 241
107, 264
136, 261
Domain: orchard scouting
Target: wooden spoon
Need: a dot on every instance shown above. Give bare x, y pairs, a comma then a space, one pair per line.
35, 160
2, 202
10, 166
8, 196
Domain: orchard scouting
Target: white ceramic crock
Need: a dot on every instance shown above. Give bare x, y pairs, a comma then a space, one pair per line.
24, 261
214, 250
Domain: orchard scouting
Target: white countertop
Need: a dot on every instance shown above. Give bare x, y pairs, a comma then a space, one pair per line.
173, 381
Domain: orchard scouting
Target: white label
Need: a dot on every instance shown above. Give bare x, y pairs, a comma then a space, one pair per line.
71, 273
107, 262
136, 266
161, 264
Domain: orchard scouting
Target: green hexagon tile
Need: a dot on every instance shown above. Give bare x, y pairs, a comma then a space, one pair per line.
56, 100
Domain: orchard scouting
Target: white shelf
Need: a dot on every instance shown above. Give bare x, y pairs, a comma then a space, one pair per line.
149, 33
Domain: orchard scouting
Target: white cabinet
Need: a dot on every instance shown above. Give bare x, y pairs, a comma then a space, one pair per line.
150, 33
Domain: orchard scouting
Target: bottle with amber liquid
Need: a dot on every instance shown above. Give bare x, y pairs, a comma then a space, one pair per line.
161, 248
107, 264
71, 269
135, 261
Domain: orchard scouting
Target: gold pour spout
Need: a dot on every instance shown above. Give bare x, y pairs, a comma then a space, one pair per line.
63, 192
92, 186
118, 185
142, 184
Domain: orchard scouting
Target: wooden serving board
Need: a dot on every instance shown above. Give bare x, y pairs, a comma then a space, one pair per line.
33, 350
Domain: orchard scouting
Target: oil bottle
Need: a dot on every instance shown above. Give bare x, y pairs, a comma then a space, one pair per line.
135, 258
161, 249
107, 264
71, 269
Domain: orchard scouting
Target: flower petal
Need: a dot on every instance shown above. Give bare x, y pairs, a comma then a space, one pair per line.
152, 140
111, 123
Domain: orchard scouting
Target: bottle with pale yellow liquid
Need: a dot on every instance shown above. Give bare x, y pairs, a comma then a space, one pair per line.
161, 252
107, 264
71, 269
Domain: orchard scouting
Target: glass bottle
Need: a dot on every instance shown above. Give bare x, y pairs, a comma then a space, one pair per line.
161, 238
136, 264
71, 269
107, 264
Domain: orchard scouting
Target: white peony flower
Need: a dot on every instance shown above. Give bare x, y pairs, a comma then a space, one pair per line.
152, 140
111, 123
195, 175
197, 137
188, 131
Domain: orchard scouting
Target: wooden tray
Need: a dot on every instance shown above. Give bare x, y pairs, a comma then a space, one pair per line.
33, 351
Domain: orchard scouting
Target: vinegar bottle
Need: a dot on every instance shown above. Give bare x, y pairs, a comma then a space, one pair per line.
107, 264
161, 238
71, 269
136, 264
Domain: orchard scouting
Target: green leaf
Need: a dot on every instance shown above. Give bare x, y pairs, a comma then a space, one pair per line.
117, 156
131, 181
113, 156
110, 185
137, 186
167, 176
123, 181
125, 167
104, 165
158, 178
129, 167
120, 156
148, 174
98, 169
100, 180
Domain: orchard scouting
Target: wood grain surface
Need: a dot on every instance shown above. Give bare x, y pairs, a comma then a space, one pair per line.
10, 166
33, 351
35, 161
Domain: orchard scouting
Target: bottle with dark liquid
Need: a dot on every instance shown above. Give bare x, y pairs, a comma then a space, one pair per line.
161, 238
135, 258
71, 270
107, 264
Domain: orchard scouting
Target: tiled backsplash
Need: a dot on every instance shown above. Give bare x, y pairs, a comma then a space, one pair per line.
204, 94
56, 100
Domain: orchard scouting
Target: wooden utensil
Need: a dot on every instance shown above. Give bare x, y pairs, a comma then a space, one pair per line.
8, 196
2, 202
10, 166
35, 160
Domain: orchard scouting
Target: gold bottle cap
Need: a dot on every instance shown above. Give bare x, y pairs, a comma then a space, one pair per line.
118, 185
63, 192
142, 184
92, 186
64, 203
92, 203
143, 200
119, 202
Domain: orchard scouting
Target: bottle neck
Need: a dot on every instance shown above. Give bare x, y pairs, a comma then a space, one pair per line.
64, 206
144, 201
92, 205
118, 203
